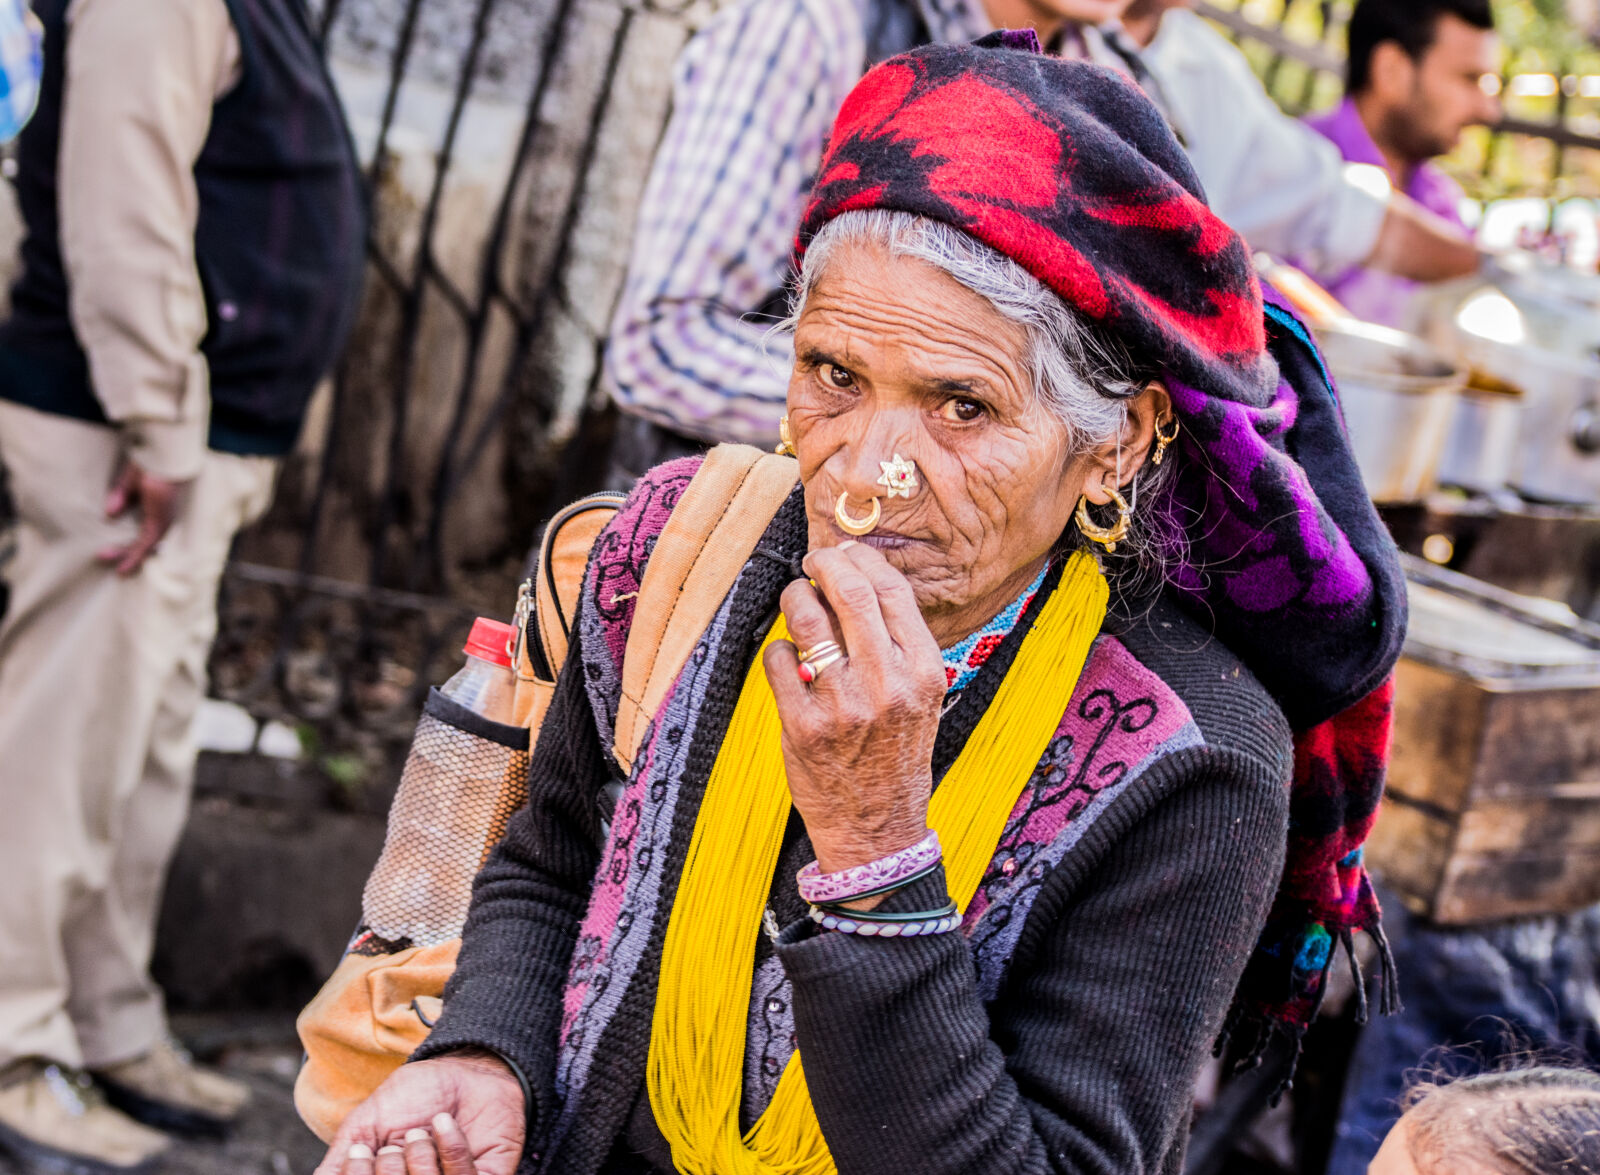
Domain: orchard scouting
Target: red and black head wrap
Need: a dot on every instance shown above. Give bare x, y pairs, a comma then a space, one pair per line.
1067, 169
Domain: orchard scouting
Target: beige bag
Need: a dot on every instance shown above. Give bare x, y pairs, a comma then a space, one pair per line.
375, 1010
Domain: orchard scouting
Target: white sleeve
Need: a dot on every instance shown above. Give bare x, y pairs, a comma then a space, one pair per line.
1284, 187
140, 81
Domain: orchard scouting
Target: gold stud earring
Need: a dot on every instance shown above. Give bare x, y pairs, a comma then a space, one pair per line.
1163, 440
785, 438
899, 477
1107, 536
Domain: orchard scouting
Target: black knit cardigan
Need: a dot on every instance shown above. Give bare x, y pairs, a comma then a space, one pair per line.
1116, 990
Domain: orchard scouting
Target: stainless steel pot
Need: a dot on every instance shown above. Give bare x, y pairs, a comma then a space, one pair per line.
1556, 457
1399, 397
1558, 451
1538, 334
1481, 450
1560, 307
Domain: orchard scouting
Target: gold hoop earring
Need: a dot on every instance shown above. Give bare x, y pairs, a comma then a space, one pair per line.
849, 523
785, 439
1163, 440
1107, 536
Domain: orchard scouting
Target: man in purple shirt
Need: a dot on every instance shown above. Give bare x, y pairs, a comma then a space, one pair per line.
1420, 72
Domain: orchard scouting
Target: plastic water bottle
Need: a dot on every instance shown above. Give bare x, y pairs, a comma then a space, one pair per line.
485, 684
453, 800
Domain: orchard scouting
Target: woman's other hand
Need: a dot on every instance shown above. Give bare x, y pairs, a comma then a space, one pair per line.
858, 742
461, 1114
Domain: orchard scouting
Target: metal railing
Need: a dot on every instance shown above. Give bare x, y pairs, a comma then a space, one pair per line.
505, 144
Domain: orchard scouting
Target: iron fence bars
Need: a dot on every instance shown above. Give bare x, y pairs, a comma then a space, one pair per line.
505, 143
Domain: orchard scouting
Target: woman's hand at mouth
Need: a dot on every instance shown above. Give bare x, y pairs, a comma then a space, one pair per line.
858, 741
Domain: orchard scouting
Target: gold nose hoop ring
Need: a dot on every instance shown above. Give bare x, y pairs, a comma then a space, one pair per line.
899, 478
852, 524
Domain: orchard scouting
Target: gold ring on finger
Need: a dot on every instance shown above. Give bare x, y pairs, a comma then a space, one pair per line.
819, 650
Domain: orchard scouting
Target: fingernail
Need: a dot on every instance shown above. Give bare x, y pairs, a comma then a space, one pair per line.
416, 1134
359, 1151
390, 1149
443, 1122
848, 543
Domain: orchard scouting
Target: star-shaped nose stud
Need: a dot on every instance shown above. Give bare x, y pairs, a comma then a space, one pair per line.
899, 477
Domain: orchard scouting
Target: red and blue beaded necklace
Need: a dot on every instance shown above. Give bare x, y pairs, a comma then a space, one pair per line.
962, 661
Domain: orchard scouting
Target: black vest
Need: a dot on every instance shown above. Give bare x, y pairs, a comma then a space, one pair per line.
279, 242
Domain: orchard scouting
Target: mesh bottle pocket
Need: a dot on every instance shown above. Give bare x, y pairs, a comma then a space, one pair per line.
463, 778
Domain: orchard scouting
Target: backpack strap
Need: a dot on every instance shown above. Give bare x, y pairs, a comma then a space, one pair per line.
547, 603
711, 535
569, 540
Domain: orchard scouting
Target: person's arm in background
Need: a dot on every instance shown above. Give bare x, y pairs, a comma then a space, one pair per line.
755, 95
1284, 187
1421, 245
141, 79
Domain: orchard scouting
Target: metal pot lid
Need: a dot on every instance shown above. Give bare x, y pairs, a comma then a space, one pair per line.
1489, 333
1529, 276
1556, 316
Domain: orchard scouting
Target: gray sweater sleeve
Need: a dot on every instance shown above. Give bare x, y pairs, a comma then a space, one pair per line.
1122, 978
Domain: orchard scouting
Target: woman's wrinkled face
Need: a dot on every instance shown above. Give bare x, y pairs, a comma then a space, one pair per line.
892, 356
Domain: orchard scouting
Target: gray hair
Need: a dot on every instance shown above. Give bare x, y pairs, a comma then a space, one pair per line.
1084, 377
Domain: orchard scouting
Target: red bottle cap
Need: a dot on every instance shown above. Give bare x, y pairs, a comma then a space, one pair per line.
490, 640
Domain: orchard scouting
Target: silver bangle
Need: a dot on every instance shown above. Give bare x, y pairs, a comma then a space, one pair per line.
870, 927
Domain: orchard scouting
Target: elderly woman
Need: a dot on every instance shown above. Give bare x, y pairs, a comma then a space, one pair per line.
952, 843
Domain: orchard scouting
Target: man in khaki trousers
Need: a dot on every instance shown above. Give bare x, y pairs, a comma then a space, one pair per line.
101, 673
192, 265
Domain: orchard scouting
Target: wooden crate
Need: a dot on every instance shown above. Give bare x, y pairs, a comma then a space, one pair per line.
1493, 803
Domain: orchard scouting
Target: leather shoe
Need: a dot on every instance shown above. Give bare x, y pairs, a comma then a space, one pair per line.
167, 1090
53, 1119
